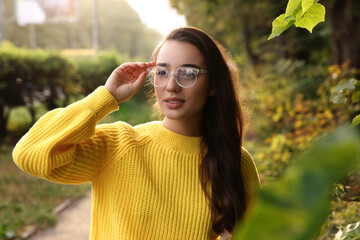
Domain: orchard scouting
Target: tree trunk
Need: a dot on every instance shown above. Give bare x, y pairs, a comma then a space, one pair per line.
4, 116
344, 17
247, 40
51, 100
30, 106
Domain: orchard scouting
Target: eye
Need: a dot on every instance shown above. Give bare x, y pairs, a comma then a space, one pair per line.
187, 73
161, 72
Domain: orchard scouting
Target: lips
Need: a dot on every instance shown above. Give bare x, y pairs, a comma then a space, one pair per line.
174, 102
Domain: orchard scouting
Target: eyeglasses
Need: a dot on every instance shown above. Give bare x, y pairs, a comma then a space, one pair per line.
185, 76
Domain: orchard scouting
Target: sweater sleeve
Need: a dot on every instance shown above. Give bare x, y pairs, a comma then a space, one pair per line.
249, 173
65, 145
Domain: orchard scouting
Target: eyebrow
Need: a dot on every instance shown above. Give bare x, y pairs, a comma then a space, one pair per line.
183, 65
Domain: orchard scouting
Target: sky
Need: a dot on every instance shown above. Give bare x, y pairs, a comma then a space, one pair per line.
158, 14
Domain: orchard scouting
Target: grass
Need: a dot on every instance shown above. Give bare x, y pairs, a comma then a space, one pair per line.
26, 200
132, 112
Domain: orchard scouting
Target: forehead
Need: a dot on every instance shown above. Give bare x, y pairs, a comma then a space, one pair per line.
176, 53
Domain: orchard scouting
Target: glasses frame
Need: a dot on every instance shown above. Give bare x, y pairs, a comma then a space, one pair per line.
174, 73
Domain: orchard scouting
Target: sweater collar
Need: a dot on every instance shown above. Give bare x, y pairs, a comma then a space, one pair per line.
174, 140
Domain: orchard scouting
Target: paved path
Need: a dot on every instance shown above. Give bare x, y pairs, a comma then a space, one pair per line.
73, 223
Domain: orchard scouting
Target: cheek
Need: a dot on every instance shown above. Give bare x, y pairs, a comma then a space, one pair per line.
157, 93
156, 107
198, 98
202, 90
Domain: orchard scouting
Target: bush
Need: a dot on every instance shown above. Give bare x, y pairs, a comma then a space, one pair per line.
33, 78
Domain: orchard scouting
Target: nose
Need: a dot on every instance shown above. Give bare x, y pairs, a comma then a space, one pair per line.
171, 85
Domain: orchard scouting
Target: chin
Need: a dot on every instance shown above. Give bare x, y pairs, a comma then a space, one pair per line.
172, 116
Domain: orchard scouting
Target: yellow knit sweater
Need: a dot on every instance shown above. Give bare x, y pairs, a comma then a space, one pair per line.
145, 181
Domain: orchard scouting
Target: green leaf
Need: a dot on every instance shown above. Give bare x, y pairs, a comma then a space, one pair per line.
297, 201
350, 232
311, 18
339, 92
356, 120
356, 93
345, 84
292, 8
338, 98
279, 25
306, 5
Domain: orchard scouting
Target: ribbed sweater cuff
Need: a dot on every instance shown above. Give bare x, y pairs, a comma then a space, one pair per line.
101, 102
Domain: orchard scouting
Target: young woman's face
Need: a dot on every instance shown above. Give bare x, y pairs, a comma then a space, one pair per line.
175, 102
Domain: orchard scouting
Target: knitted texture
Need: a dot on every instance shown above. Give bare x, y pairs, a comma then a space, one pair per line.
145, 181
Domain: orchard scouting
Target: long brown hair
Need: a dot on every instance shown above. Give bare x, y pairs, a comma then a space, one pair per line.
222, 131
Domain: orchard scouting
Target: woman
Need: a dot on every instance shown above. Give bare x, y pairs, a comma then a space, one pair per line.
186, 177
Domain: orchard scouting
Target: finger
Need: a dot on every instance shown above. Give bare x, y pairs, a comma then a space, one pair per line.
127, 67
123, 75
141, 64
150, 64
124, 66
132, 65
137, 72
138, 68
139, 81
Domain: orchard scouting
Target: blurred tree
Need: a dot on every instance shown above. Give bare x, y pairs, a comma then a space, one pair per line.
120, 28
28, 77
307, 14
58, 81
95, 70
244, 26
11, 91
230, 22
10, 96
344, 16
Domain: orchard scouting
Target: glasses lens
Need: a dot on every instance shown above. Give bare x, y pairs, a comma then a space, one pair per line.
187, 76
158, 76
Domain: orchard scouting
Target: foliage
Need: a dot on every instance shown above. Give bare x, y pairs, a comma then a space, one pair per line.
243, 26
301, 191
350, 232
356, 120
32, 77
343, 17
301, 13
342, 89
94, 70
291, 107
346, 92
29, 76
342, 214
307, 14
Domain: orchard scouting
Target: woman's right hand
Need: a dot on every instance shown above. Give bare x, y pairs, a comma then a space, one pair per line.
127, 79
